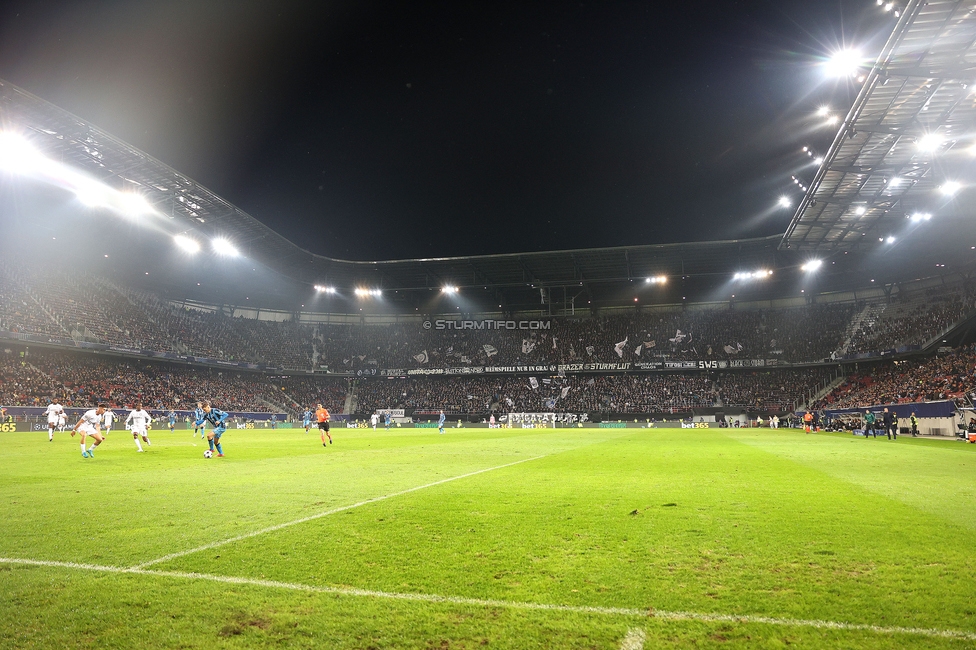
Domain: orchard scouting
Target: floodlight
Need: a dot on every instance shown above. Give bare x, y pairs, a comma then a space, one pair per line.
322, 289
223, 247
859, 210
811, 266
754, 275
818, 160
890, 240
17, 154
449, 289
833, 119
843, 63
823, 110
921, 216
657, 279
950, 187
784, 202
134, 204
187, 244
929, 142
93, 194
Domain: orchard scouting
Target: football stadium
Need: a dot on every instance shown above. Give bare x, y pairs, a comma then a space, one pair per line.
751, 442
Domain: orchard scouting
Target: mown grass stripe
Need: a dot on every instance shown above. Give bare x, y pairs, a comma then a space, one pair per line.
271, 529
482, 602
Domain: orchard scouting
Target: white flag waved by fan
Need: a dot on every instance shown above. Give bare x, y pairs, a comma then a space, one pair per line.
638, 349
533, 382
619, 347
490, 350
679, 336
527, 346
590, 350
422, 357
564, 392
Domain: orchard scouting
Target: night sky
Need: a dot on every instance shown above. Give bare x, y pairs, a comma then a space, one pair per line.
372, 131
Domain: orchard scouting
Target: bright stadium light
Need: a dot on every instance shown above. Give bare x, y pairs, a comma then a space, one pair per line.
17, 154
93, 194
929, 142
223, 247
449, 289
859, 210
822, 111
754, 275
844, 63
784, 202
832, 120
811, 266
890, 240
657, 279
367, 293
189, 245
818, 160
134, 204
950, 187
921, 216
323, 289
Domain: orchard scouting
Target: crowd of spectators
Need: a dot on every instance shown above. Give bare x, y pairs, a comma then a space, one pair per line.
909, 322
778, 390
95, 309
78, 379
947, 376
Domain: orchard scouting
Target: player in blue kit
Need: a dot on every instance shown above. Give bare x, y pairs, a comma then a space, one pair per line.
307, 420
440, 422
198, 417
172, 421
217, 420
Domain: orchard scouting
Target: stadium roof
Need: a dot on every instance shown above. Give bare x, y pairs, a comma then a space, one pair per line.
194, 209
907, 144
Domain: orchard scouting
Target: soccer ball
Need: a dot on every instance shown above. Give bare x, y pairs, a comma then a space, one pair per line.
208, 454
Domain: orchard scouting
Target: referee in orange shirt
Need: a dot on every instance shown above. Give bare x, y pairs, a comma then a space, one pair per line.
322, 415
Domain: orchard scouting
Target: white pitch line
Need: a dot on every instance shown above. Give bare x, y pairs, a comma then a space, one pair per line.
508, 604
271, 529
634, 640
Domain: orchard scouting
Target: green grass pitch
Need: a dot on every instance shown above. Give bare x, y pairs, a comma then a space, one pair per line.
572, 538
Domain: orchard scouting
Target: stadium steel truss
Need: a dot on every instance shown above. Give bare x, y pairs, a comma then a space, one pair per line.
910, 130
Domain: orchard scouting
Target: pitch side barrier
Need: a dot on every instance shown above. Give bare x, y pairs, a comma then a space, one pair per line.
615, 424
934, 418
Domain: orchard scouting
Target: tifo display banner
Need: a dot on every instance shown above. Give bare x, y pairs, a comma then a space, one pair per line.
571, 368
522, 419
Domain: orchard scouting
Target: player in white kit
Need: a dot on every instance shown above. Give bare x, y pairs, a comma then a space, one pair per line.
374, 419
61, 422
139, 421
107, 419
53, 412
90, 424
